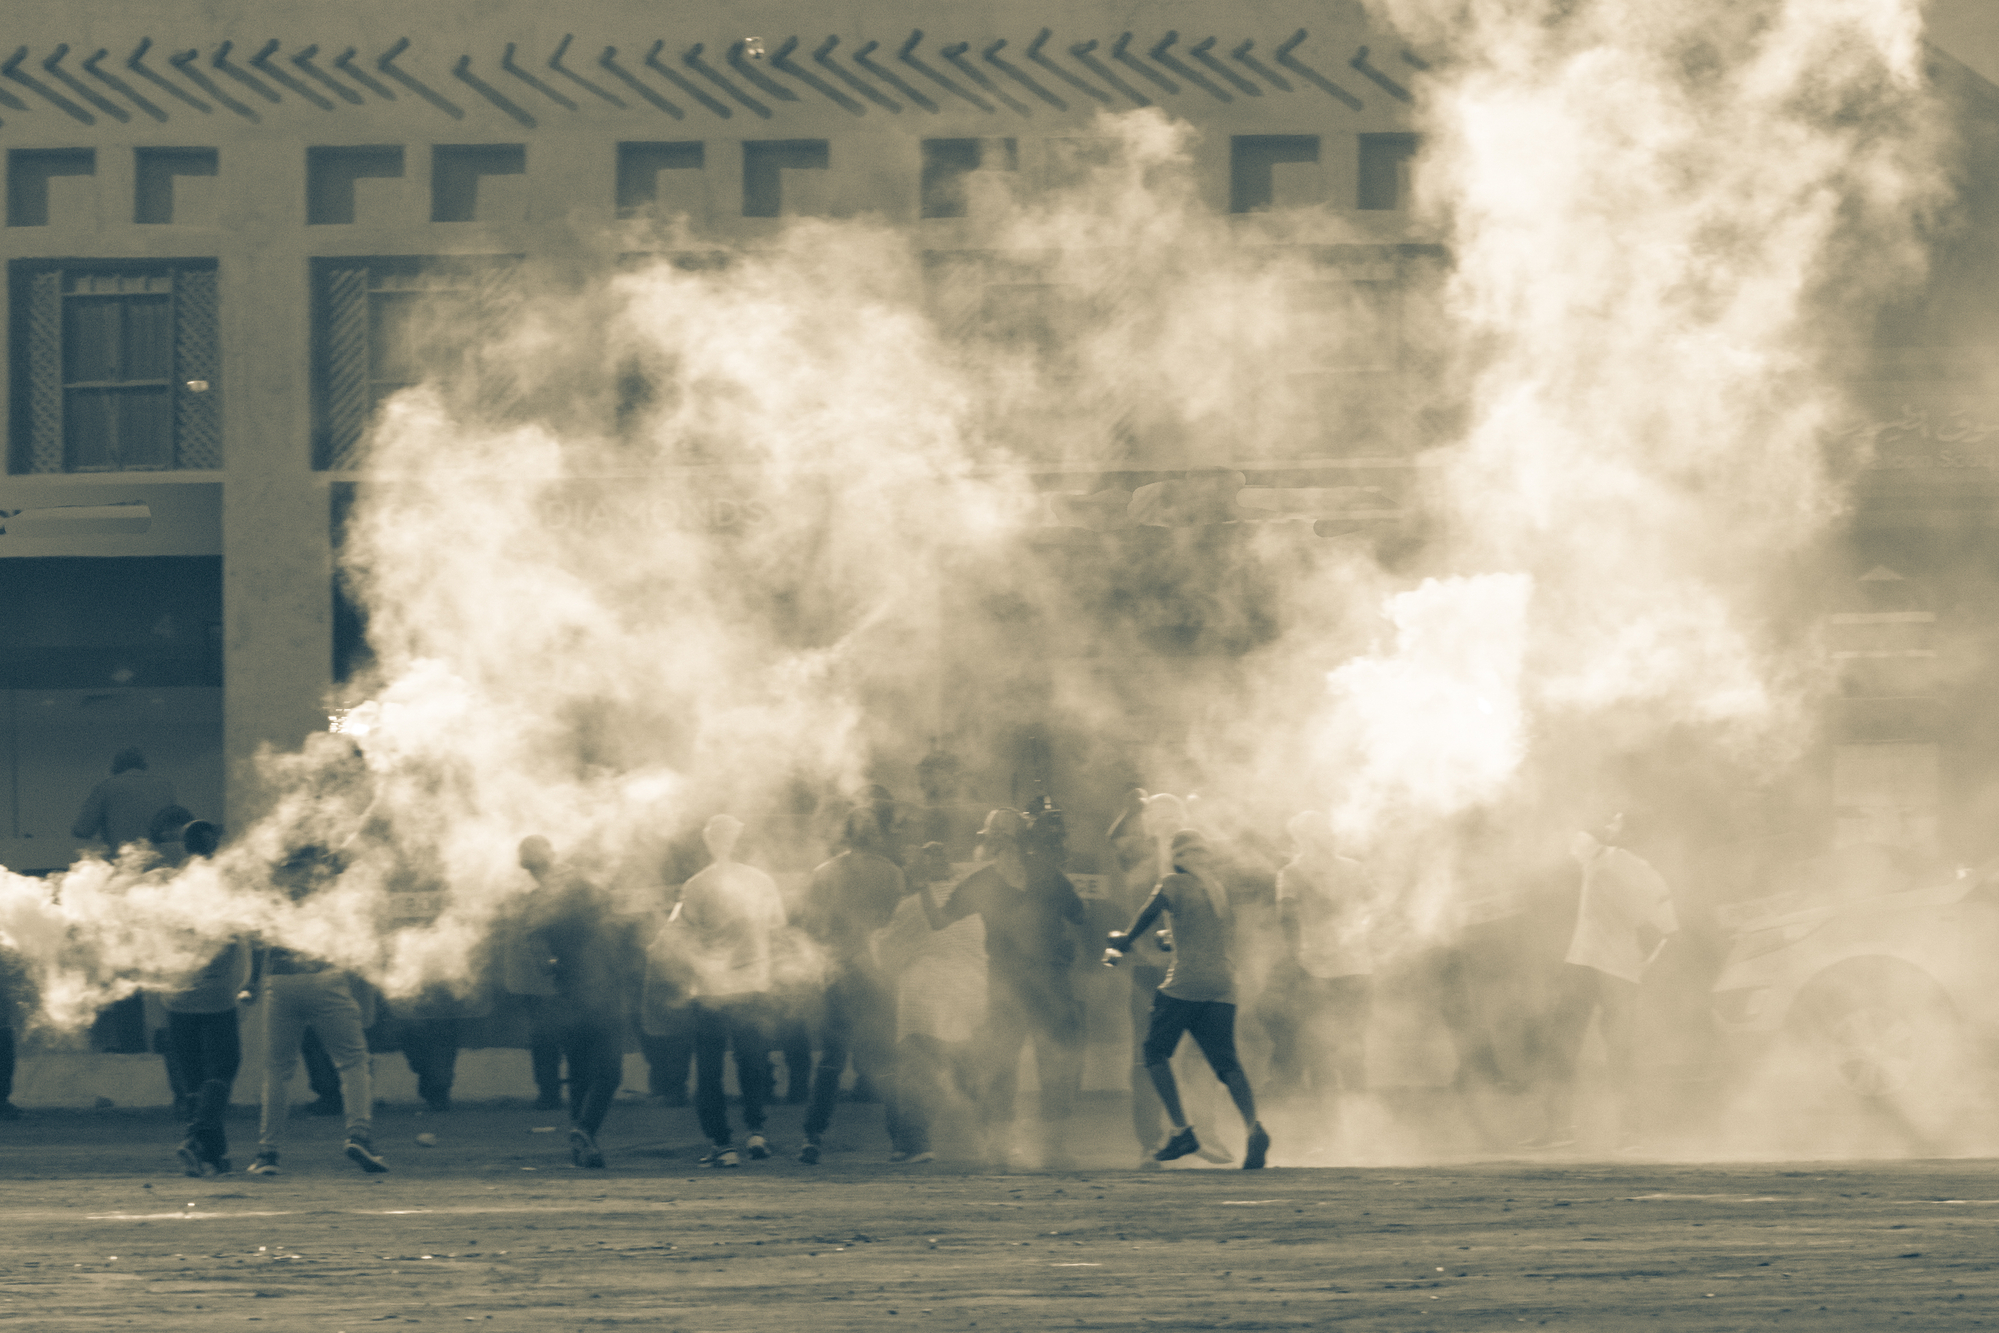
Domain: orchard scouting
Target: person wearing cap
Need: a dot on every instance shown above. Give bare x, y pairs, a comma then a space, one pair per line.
1198, 995
1033, 917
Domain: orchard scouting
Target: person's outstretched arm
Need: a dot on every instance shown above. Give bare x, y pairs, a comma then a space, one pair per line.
1121, 940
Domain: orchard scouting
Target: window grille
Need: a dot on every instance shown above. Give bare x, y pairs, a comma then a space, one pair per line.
385, 324
118, 369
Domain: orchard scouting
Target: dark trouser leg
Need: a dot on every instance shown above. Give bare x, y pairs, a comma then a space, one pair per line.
711, 1042
1213, 1028
595, 1048
1168, 1020
207, 1050
749, 1034
794, 1039
836, 1026
545, 1047
669, 1055
430, 1046
319, 1070
1145, 1108
6, 1063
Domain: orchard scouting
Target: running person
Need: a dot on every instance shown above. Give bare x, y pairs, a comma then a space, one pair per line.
205, 1050
1198, 995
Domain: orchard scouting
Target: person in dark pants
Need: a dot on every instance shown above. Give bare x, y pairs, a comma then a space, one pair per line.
850, 897
589, 958
1032, 916
723, 928
205, 1050
525, 976
1198, 995
428, 1031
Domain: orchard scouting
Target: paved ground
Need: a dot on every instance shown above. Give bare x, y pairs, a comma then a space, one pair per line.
494, 1227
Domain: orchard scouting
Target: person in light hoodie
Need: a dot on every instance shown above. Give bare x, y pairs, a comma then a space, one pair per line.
1623, 919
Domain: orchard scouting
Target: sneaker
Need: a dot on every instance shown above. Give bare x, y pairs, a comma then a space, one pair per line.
1182, 1143
191, 1161
1259, 1145
756, 1147
809, 1154
583, 1150
222, 1166
723, 1156
265, 1165
361, 1151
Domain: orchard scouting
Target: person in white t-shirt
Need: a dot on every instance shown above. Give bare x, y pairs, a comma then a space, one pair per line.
1325, 907
1623, 920
727, 914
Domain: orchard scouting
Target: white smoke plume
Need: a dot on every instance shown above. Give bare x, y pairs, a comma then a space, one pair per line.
740, 534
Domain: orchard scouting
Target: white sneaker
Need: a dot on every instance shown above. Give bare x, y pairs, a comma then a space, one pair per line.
756, 1147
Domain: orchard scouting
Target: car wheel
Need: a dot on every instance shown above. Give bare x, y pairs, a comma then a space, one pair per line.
1885, 1033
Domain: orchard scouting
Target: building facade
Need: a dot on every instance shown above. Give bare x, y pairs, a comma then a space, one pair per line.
223, 220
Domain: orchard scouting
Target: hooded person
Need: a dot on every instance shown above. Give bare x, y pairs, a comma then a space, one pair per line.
723, 930
1198, 995
849, 898
1033, 918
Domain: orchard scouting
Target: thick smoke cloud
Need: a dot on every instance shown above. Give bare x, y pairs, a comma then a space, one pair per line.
741, 530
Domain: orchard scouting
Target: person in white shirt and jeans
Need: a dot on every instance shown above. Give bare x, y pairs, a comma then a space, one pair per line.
1622, 922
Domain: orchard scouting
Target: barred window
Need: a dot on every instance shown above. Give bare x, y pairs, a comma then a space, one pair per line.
116, 367
385, 323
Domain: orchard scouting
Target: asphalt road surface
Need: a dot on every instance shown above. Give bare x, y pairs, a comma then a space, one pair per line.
494, 1228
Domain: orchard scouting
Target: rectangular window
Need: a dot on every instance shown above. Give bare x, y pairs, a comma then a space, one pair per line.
116, 367
1384, 170
386, 323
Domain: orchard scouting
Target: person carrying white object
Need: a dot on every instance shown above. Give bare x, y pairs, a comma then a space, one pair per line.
1198, 995
1325, 905
940, 981
1623, 919
727, 916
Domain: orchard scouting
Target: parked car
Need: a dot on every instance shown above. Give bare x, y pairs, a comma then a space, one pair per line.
1884, 978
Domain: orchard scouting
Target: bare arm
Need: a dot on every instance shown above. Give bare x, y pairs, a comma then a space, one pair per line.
1121, 940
